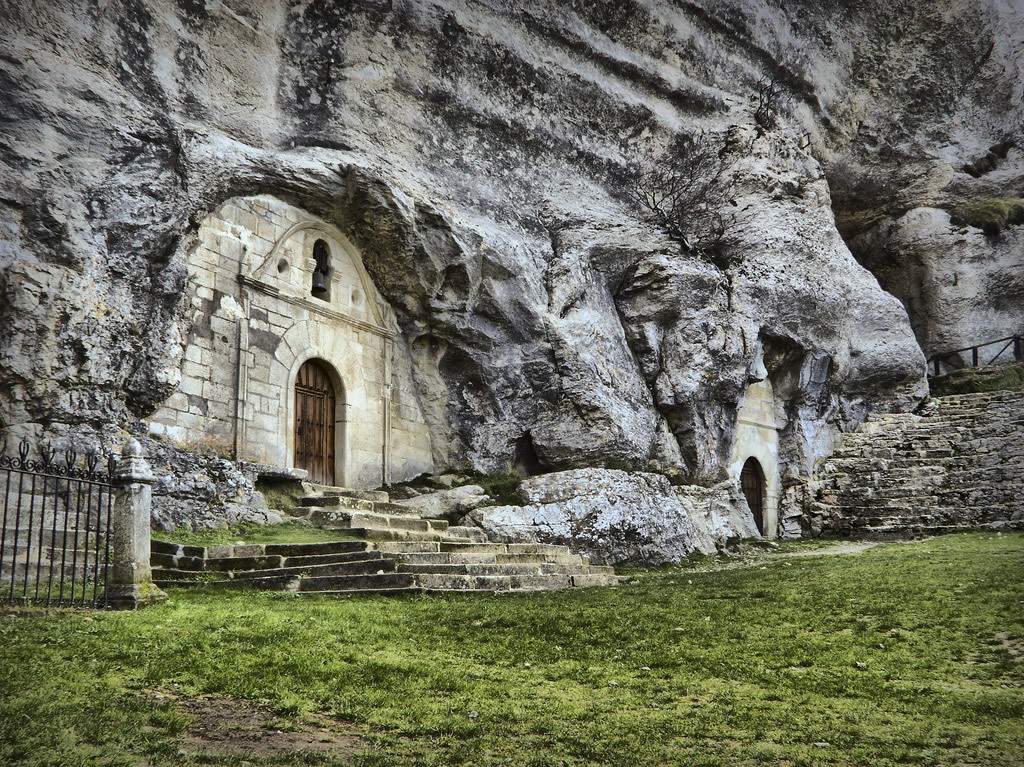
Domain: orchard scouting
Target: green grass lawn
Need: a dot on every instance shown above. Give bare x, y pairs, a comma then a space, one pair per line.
902, 654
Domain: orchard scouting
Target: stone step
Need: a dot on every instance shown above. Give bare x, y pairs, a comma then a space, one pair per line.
511, 583
333, 502
504, 548
861, 515
492, 583
349, 503
357, 567
390, 534
314, 549
258, 549
559, 558
350, 582
402, 583
262, 562
370, 582
396, 547
474, 534
374, 496
538, 568
341, 520
396, 509
379, 567
987, 492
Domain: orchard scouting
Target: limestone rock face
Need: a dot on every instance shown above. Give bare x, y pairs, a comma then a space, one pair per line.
928, 177
960, 285
202, 491
617, 517
466, 150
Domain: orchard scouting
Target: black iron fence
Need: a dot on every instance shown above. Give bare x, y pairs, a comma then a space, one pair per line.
55, 539
989, 353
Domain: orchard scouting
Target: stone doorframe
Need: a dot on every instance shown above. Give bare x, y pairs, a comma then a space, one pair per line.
341, 414
301, 342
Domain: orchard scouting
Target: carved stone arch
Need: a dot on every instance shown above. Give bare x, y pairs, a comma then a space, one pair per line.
350, 251
756, 437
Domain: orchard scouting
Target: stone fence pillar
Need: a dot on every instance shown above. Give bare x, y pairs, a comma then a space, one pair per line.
131, 579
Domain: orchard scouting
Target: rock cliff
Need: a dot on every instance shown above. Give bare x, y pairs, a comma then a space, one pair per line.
466, 148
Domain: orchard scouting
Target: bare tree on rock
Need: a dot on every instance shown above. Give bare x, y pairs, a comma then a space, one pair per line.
773, 94
683, 190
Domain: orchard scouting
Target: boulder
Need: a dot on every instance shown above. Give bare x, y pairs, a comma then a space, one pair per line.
619, 517
199, 490
458, 500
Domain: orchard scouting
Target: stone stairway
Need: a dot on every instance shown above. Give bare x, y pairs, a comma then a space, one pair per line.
393, 551
370, 514
956, 464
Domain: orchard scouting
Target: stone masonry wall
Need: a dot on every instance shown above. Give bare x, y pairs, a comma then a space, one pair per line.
757, 437
250, 271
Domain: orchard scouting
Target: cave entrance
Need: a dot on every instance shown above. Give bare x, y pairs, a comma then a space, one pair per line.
754, 488
315, 407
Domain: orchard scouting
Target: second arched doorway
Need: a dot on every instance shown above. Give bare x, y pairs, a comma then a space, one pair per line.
753, 485
315, 417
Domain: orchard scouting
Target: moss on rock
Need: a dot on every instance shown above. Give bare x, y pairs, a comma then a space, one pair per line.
990, 214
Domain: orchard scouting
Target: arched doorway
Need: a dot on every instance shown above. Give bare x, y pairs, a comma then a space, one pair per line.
753, 485
314, 422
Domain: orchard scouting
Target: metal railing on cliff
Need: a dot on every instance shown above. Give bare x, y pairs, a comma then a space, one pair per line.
953, 359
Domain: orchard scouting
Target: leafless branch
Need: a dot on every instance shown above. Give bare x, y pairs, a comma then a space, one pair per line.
682, 191
772, 99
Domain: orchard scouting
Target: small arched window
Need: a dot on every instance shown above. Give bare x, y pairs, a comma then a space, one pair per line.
321, 287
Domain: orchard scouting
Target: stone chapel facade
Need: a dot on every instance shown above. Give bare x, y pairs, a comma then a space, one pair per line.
754, 461
293, 360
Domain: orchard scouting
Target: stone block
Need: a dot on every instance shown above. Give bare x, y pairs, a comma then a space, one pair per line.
195, 370
177, 401
216, 392
191, 386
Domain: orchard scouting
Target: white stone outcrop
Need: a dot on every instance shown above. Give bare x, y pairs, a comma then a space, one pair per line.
620, 517
446, 502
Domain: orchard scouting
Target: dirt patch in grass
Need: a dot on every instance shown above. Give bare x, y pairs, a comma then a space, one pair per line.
232, 727
1013, 646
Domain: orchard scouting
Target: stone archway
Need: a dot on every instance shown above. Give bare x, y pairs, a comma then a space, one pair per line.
757, 440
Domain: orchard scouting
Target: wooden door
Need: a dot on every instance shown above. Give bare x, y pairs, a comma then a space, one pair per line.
314, 423
752, 482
